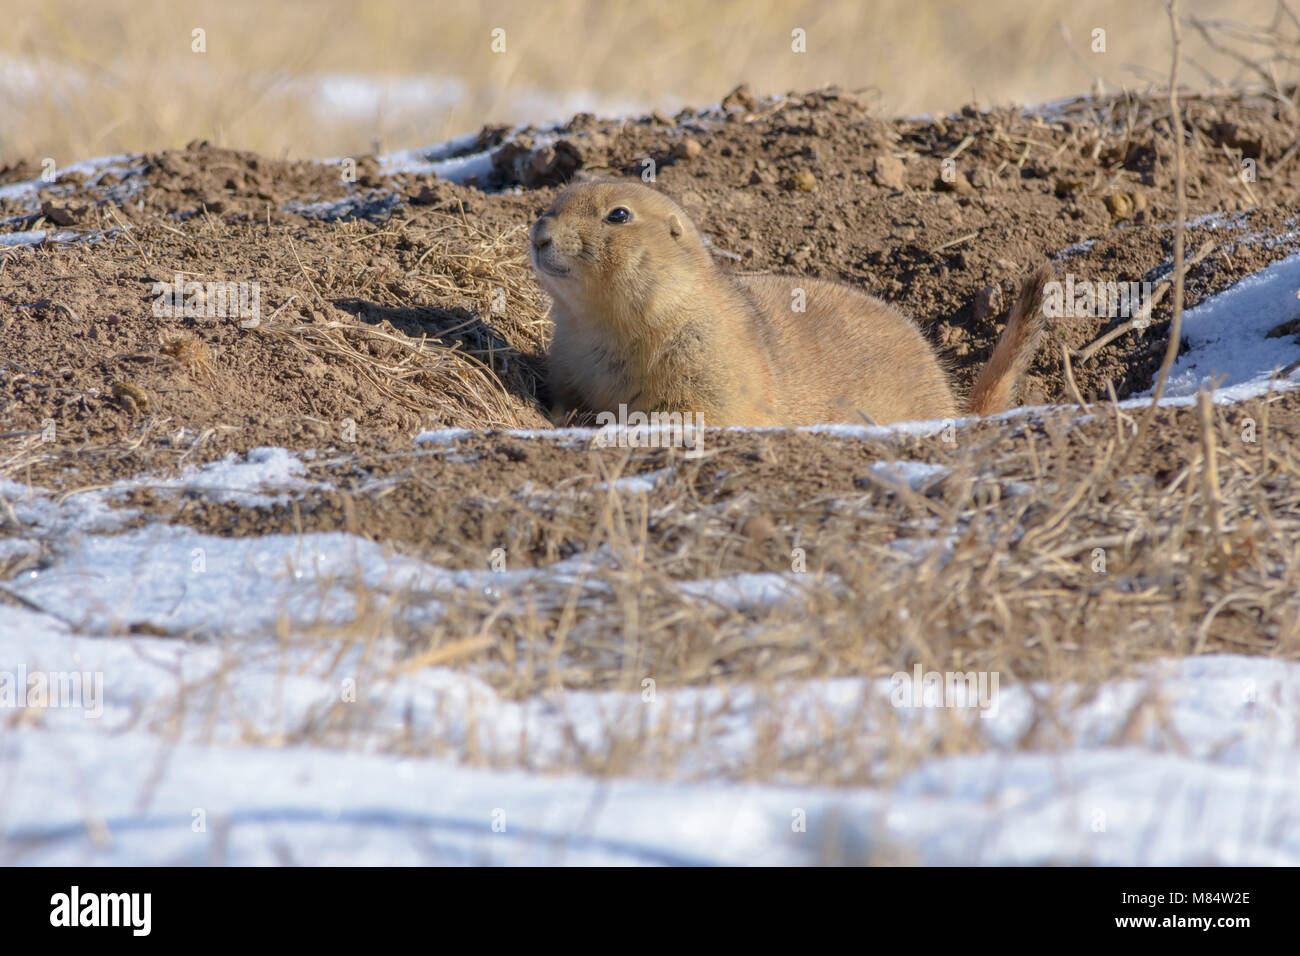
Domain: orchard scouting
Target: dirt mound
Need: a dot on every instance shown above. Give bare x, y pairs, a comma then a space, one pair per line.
389, 302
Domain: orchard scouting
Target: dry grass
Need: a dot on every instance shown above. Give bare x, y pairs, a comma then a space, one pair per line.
483, 369
416, 375
1009, 581
1197, 544
84, 80
1003, 576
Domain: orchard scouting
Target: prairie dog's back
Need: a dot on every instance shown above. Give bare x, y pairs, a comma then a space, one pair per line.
846, 351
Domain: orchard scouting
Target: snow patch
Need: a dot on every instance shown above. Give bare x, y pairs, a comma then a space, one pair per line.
1226, 335
915, 475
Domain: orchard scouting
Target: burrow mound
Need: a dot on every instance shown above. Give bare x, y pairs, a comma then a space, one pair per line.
395, 301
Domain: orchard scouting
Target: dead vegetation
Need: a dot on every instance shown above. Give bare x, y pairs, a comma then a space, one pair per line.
1031, 557
1031, 554
474, 361
273, 100
1059, 548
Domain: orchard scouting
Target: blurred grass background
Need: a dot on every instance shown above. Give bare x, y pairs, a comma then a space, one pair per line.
337, 77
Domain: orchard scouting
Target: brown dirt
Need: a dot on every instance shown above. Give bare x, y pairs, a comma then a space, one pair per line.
416, 308
420, 261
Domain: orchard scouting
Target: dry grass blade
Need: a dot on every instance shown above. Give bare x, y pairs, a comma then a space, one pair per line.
438, 380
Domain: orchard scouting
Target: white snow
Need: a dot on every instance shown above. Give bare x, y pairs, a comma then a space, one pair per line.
121, 165
198, 755
916, 475
1077, 249
31, 237
226, 712
362, 95
238, 738
1226, 335
265, 476
244, 482
570, 436
746, 591
639, 484
455, 169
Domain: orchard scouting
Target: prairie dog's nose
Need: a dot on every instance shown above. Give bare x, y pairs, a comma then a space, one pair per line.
541, 233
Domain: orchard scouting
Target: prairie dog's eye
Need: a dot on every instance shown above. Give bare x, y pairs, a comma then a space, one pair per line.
619, 214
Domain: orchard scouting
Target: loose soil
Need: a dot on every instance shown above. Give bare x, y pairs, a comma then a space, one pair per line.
399, 302
354, 276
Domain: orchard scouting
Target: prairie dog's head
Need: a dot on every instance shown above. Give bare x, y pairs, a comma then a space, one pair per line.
622, 246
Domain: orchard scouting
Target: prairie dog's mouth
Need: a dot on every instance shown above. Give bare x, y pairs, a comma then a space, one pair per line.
545, 264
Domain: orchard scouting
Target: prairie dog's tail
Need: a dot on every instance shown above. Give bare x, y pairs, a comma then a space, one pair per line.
996, 385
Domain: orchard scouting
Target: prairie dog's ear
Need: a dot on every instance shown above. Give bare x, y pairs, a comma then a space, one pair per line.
674, 225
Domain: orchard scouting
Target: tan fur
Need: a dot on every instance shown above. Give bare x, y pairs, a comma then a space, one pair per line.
645, 318
995, 388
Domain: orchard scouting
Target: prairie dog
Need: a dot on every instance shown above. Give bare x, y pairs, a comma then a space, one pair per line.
645, 318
